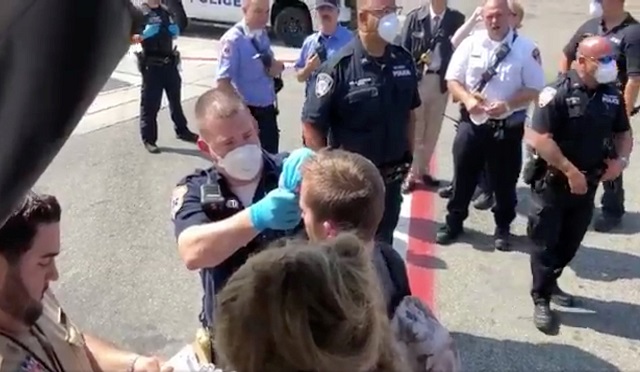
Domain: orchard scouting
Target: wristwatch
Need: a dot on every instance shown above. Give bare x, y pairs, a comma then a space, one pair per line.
625, 162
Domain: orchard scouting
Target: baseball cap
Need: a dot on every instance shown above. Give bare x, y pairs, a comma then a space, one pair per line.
330, 3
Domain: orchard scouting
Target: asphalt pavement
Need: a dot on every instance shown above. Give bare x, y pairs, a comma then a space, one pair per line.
121, 277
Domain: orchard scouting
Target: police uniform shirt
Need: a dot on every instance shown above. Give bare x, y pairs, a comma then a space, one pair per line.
161, 44
521, 68
239, 64
187, 211
331, 43
625, 38
363, 103
580, 119
54, 344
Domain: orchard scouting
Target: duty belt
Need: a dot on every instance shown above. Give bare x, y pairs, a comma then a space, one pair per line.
153, 60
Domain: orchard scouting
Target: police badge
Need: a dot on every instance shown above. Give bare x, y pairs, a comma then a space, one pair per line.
324, 83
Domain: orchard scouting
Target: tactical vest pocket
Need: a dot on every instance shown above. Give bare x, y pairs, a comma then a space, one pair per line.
363, 106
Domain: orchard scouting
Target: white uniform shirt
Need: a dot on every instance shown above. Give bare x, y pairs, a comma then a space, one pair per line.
521, 68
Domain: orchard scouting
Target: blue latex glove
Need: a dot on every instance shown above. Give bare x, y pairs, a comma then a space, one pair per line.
291, 177
174, 30
278, 210
150, 30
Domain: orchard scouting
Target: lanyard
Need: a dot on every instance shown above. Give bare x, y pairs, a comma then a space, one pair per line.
46, 346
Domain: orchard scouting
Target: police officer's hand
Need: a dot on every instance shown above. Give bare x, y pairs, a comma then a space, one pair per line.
291, 175
278, 210
149, 364
313, 62
136, 39
150, 30
477, 15
577, 182
614, 169
276, 68
496, 109
474, 105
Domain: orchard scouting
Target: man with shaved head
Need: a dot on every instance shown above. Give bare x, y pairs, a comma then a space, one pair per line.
362, 100
612, 21
580, 134
225, 213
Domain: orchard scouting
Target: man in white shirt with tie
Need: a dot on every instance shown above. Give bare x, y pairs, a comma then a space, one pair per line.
494, 75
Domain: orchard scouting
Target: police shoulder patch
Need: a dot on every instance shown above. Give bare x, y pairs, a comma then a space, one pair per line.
177, 199
225, 51
324, 83
536, 55
546, 96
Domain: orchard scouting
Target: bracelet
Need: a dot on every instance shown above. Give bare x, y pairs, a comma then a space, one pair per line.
133, 363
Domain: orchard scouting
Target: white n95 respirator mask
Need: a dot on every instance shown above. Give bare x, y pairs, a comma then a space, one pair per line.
242, 163
389, 27
595, 8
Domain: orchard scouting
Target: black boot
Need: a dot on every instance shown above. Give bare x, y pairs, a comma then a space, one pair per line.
561, 298
447, 235
502, 237
543, 317
151, 147
187, 136
606, 223
446, 192
484, 201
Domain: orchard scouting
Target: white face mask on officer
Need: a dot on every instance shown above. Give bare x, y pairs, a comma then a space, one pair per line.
595, 8
606, 72
389, 27
242, 163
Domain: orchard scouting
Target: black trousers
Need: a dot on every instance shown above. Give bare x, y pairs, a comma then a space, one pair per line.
156, 79
267, 118
391, 216
558, 221
474, 148
484, 183
613, 198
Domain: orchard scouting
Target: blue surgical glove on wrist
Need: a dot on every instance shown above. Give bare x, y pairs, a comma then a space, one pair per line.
291, 176
278, 210
174, 30
150, 30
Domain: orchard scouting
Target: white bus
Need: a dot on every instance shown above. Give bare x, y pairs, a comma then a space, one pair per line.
291, 20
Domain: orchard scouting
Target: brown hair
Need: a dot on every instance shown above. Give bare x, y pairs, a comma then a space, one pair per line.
345, 188
305, 307
16, 235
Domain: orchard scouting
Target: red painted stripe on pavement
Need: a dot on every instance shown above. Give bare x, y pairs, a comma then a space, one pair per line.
421, 247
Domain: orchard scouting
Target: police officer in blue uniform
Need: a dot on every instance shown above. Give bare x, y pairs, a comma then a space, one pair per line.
247, 65
225, 213
495, 74
158, 63
321, 45
612, 21
581, 135
362, 100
